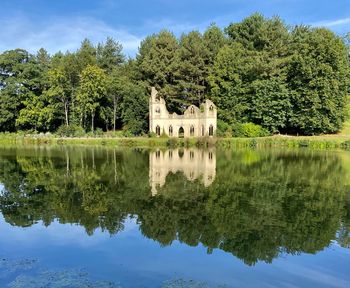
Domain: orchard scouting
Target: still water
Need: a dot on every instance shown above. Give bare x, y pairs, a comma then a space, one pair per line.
103, 217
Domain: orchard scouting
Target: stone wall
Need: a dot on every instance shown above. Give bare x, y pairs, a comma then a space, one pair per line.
194, 122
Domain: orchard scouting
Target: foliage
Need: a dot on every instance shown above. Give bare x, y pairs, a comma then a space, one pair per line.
223, 129
92, 89
134, 106
70, 131
293, 80
249, 130
318, 79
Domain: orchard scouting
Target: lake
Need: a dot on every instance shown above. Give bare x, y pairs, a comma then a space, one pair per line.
103, 217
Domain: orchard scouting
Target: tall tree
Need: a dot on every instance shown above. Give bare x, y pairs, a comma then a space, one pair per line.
318, 77
135, 108
86, 55
92, 89
156, 63
109, 55
191, 70
12, 65
60, 91
226, 80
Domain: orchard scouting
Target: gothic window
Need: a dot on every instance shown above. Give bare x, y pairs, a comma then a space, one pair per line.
157, 110
211, 130
158, 130
192, 110
157, 154
191, 130
181, 132
211, 108
210, 155
170, 130
191, 154
203, 130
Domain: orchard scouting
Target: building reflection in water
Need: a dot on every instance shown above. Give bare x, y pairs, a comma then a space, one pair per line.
193, 163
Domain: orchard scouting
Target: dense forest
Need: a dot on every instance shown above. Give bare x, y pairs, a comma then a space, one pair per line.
259, 72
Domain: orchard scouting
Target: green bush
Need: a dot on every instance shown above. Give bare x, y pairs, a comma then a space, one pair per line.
223, 129
152, 135
70, 131
249, 130
172, 142
98, 132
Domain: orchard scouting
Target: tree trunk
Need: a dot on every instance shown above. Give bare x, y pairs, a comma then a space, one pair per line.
66, 113
114, 111
92, 122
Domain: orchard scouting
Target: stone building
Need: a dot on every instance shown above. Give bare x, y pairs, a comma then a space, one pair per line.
195, 122
193, 163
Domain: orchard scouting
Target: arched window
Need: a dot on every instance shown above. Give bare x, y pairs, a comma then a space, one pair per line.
157, 154
158, 130
191, 154
181, 132
192, 130
192, 110
203, 130
157, 110
170, 130
210, 155
211, 108
211, 130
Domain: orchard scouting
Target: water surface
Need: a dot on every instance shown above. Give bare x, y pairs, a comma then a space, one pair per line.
103, 217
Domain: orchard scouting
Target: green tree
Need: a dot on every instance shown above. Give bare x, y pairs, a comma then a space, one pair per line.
191, 69
11, 90
37, 113
226, 80
271, 105
109, 55
156, 64
318, 78
135, 108
86, 55
60, 91
92, 89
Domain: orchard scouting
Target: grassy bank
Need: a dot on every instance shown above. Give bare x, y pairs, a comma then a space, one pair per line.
314, 142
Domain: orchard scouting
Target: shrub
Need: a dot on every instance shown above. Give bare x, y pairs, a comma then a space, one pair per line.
127, 133
249, 130
223, 129
70, 131
152, 135
172, 142
98, 132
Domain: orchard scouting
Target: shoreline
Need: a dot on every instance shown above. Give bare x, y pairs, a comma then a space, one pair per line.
324, 142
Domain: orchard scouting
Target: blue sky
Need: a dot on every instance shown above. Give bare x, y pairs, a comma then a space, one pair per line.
62, 24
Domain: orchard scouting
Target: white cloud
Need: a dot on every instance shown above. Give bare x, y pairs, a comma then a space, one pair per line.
333, 23
60, 34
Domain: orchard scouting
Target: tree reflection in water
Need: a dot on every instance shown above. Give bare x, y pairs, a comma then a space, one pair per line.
257, 205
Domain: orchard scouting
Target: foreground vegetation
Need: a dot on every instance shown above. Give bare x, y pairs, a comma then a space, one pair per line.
280, 141
258, 72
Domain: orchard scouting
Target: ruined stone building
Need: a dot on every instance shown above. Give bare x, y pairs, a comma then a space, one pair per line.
193, 163
195, 122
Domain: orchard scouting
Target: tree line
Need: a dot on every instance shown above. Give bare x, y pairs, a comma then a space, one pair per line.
260, 70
